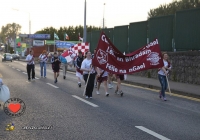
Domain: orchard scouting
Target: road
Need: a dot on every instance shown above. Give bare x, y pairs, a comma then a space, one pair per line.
138, 115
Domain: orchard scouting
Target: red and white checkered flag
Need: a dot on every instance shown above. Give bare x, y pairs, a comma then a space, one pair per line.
83, 47
72, 52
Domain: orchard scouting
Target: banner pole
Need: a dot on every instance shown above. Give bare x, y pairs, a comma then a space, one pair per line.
168, 85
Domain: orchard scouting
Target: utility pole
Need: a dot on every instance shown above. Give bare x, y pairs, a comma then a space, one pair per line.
103, 15
85, 28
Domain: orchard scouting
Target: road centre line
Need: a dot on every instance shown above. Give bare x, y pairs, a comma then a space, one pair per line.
18, 69
52, 85
24, 72
87, 102
152, 133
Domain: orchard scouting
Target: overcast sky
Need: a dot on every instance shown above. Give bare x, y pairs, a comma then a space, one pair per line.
58, 13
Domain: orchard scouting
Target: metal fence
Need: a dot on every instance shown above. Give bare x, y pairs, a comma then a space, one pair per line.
180, 32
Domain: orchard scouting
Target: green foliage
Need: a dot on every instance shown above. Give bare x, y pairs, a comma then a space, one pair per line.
72, 32
171, 8
10, 31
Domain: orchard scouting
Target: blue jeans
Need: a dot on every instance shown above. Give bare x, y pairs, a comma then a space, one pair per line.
43, 65
163, 82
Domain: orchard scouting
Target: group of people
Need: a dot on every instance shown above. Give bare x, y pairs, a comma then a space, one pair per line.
93, 76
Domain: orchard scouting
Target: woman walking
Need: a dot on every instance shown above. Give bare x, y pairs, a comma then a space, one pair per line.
55, 66
162, 73
119, 78
87, 68
43, 61
102, 78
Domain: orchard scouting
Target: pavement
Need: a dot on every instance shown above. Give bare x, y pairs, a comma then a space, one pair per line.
138, 115
184, 89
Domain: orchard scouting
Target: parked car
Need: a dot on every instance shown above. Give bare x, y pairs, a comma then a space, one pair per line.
15, 56
8, 57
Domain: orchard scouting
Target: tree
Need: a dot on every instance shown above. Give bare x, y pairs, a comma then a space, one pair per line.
9, 31
72, 32
171, 8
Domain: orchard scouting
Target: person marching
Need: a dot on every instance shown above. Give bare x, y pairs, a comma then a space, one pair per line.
102, 77
87, 68
30, 66
119, 78
110, 80
93, 55
78, 62
43, 61
64, 65
55, 66
162, 73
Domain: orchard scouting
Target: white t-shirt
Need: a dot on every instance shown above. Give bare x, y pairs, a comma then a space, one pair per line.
161, 72
31, 59
43, 58
86, 65
104, 74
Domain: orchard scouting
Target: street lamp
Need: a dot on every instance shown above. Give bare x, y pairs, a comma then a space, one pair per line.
85, 28
103, 15
28, 18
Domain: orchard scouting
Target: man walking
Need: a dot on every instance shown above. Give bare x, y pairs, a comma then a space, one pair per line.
30, 66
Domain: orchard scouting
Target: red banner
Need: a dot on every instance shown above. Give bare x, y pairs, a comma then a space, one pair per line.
110, 59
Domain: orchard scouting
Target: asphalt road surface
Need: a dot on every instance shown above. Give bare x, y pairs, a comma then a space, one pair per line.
138, 115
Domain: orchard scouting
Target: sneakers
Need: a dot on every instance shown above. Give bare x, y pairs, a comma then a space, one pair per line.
97, 92
56, 81
64, 77
164, 99
33, 79
116, 91
110, 86
121, 93
79, 84
86, 97
107, 94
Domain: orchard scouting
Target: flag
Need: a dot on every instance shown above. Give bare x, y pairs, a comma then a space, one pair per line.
56, 36
109, 58
79, 37
66, 36
72, 52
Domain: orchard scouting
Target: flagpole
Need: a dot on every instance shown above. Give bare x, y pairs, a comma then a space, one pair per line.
85, 27
54, 43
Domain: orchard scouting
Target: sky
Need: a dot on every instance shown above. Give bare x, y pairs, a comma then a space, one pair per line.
59, 13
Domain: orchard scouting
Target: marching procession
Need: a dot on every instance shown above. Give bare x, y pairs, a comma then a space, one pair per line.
92, 75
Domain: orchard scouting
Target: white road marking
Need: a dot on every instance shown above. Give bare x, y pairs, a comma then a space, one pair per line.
87, 102
37, 78
24, 72
52, 85
18, 70
152, 133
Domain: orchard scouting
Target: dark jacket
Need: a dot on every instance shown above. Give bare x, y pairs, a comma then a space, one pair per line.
78, 62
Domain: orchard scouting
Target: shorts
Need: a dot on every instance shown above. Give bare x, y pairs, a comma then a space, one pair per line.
102, 79
120, 76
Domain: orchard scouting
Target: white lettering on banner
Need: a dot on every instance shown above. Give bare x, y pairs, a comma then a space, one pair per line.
136, 68
131, 58
103, 37
120, 59
122, 71
110, 51
152, 43
111, 67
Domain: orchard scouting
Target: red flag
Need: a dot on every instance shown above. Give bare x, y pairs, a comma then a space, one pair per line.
109, 58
